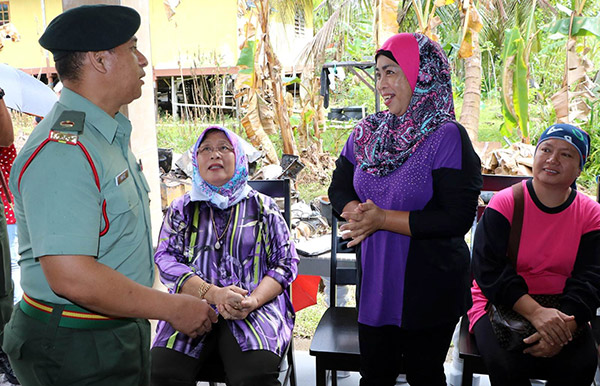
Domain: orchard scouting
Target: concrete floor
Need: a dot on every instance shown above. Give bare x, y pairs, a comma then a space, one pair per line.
305, 370
305, 365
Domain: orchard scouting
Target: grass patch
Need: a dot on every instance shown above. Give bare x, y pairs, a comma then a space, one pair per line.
181, 135
309, 191
490, 119
22, 123
307, 319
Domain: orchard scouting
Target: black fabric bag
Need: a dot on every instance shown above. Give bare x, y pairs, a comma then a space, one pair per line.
510, 327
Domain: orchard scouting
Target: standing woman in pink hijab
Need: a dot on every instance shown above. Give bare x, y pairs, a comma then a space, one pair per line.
407, 181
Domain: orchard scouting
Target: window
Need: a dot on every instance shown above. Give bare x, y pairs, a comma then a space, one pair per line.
4, 12
299, 23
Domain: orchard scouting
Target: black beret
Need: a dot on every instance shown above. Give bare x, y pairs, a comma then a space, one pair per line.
90, 28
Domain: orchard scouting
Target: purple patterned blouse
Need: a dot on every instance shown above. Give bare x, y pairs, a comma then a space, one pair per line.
256, 243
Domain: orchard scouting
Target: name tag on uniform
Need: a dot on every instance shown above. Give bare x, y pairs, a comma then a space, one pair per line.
122, 177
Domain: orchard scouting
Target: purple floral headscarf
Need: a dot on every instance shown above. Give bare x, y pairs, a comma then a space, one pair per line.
234, 190
384, 141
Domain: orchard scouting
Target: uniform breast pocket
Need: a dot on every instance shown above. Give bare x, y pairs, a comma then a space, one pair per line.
122, 204
145, 182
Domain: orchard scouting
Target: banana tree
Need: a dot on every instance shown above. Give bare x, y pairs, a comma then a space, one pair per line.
342, 15
273, 67
515, 71
469, 51
249, 82
570, 101
515, 90
386, 20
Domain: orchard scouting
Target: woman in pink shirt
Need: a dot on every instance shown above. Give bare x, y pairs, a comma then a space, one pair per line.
559, 254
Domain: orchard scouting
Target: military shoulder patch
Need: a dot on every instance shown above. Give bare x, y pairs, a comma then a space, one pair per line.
68, 127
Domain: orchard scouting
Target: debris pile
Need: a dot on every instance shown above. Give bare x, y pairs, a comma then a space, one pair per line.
318, 166
517, 159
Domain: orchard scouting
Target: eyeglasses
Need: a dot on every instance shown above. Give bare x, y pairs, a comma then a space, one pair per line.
222, 149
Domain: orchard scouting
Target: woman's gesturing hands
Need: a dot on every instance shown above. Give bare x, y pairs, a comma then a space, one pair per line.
365, 219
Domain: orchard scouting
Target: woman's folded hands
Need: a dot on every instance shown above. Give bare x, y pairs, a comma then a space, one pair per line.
554, 330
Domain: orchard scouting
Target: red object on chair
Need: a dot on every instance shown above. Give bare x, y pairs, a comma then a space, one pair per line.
304, 291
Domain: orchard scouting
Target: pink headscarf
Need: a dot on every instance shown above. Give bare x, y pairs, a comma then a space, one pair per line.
405, 49
384, 141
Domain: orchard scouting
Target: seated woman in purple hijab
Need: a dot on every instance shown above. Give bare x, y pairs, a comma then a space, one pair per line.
407, 181
229, 245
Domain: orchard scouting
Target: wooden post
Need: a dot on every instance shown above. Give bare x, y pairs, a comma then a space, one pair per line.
174, 105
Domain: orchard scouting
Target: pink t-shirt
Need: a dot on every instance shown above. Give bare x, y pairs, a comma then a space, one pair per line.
548, 246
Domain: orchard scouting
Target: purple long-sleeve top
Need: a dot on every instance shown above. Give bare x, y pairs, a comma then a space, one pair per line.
256, 244
417, 281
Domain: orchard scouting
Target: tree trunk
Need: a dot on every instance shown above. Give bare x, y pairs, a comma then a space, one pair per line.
469, 115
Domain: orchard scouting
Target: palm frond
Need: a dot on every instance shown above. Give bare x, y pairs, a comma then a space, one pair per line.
286, 10
313, 52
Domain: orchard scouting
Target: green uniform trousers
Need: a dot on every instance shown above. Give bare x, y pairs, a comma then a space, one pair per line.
44, 354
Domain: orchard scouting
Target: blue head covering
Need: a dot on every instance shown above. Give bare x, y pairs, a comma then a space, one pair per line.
234, 190
572, 134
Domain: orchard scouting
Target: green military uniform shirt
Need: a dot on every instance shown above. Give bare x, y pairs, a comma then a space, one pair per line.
58, 206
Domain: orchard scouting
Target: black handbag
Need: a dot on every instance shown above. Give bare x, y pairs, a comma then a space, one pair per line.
509, 326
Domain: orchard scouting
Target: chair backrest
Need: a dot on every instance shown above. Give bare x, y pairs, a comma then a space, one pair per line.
339, 275
276, 189
495, 183
281, 189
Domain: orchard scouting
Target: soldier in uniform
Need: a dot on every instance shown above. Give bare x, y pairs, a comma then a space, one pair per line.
83, 219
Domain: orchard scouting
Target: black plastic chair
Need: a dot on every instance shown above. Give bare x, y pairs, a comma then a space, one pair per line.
335, 343
275, 189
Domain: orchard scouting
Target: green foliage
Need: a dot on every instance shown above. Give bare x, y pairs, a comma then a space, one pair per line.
22, 123
308, 191
490, 119
246, 59
181, 135
352, 92
334, 137
592, 171
514, 50
582, 26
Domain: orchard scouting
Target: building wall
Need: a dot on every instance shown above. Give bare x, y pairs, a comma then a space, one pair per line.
27, 17
201, 34
287, 42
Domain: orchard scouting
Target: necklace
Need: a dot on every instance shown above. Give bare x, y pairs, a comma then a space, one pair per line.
219, 237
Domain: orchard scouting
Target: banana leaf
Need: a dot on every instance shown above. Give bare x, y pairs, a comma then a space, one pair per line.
582, 26
515, 90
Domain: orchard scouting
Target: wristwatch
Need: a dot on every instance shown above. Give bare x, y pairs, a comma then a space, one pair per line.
1, 93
